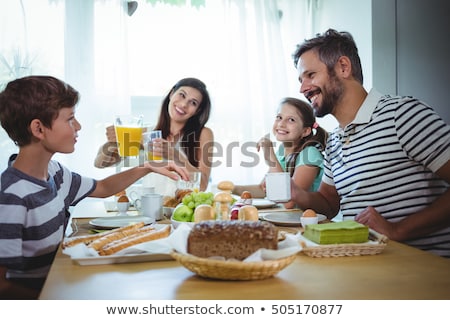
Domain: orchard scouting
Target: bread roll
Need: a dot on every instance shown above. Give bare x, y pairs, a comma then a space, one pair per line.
225, 186
248, 212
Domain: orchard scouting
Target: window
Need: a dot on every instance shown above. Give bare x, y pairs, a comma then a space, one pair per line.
121, 63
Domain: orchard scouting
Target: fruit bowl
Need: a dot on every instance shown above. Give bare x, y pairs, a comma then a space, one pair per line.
176, 223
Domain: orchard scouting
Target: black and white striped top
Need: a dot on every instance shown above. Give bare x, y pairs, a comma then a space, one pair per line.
33, 216
387, 158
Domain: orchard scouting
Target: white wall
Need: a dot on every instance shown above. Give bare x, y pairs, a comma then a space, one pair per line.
354, 16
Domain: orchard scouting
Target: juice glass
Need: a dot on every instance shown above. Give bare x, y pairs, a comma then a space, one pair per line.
147, 139
129, 133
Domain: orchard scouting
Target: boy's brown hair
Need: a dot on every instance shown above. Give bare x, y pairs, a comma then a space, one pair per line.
33, 97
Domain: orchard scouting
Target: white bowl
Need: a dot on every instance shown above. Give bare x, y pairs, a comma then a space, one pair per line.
176, 223
308, 220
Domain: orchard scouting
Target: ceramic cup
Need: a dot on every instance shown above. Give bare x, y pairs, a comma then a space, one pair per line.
278, 186
122, 208
150, 205
136, 193
308, 220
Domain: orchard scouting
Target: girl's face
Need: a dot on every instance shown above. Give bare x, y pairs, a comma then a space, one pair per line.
64, 132
184, 103
288, 125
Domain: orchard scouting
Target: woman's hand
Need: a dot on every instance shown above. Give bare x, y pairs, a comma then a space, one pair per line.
111, 134
163, 148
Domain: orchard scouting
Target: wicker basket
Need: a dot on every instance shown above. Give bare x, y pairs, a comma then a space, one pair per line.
232, 270
377, 245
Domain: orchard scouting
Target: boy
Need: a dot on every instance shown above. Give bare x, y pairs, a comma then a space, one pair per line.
38, 113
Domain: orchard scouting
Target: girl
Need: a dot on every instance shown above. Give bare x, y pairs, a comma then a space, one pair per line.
300, 152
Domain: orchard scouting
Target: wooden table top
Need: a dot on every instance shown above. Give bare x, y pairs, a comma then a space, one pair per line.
399, 272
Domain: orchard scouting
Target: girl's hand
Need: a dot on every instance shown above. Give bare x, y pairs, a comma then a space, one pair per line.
264, 143
269, 153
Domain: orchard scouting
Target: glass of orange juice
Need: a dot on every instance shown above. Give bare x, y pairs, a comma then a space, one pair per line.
129, 133
147, 138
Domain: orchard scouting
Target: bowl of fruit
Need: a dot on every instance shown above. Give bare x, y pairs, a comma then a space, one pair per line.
195, 206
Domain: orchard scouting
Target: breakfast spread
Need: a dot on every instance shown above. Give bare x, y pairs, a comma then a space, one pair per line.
337, 233
231, 239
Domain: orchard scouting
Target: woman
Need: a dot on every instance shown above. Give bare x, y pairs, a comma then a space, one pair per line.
185, 139
300, 153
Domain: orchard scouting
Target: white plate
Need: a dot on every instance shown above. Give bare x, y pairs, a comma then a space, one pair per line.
118, 221
130, 258
287, 219
263, 203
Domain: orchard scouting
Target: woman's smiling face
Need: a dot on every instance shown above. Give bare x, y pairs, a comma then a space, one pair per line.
184, 103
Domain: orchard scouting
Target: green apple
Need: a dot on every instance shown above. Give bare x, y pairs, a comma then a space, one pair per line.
183, 213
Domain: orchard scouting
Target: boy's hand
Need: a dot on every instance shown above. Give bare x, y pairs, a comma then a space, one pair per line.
168, 168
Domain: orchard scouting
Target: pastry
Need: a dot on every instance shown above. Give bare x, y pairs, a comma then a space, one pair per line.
336, 233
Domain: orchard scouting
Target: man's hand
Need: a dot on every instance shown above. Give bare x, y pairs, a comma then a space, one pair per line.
373, 219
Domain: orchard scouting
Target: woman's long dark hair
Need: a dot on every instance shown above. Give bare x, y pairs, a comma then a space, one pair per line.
317, 138
190, 135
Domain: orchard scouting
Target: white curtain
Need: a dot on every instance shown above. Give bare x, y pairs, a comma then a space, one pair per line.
96, 65
241, 49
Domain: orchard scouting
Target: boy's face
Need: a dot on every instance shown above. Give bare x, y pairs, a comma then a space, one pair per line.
63, 134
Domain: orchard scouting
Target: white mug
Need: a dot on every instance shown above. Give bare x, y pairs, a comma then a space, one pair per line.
136, 193
278, 186
150, 205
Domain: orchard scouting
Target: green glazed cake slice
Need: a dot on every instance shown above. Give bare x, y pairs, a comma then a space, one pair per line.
334, 233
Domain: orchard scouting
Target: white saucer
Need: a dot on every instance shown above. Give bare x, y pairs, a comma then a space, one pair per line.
263, 203
118, 221
287, 219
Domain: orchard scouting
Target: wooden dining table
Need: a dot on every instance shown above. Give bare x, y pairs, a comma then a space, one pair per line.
398, 272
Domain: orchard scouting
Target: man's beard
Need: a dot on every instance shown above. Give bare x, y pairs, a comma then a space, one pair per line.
331, 95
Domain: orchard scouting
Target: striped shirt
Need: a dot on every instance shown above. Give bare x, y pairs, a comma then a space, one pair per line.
33, 216
387, 158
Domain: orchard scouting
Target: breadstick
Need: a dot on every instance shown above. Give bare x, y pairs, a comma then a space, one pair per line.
134, 239
119, 234
90, 238
84, 239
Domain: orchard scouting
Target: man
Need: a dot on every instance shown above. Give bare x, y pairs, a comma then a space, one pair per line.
387, 164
